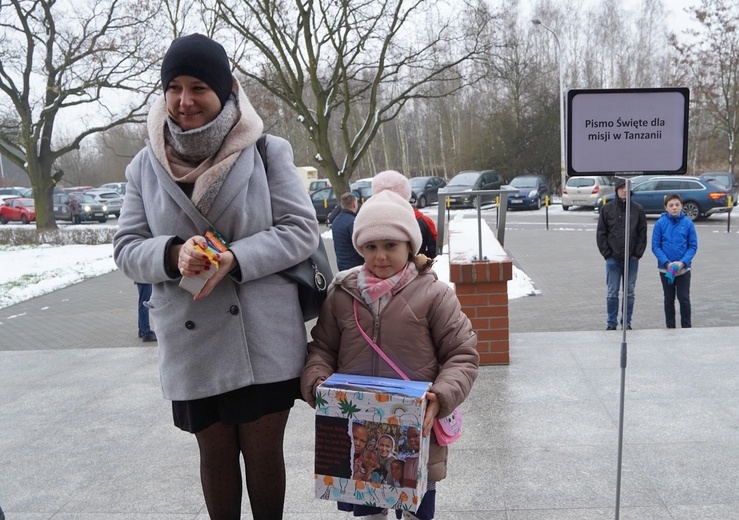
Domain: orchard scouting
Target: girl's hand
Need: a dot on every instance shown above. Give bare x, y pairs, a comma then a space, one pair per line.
432, 410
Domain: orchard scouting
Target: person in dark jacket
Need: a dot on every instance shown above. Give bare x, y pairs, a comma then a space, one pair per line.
342, 229
610, 237
674, 243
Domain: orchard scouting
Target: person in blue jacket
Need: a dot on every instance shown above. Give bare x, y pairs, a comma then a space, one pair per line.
674, 243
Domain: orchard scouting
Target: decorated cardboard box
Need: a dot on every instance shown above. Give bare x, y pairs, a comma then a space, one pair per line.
369, 448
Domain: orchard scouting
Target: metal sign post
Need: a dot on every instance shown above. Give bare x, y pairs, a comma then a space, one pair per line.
624, 323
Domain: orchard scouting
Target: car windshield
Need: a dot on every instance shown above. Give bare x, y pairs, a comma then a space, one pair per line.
29, 203
524, 182
85, 199
464, 179
418, 182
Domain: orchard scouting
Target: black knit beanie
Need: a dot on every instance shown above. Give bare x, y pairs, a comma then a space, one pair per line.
200, 57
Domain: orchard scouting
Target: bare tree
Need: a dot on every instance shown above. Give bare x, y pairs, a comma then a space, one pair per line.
337, 61
712, 57
86, 66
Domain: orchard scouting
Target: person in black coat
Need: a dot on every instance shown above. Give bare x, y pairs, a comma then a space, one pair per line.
342, 229
610, 237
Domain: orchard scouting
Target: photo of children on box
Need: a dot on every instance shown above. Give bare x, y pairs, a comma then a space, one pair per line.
386, 321
352, 468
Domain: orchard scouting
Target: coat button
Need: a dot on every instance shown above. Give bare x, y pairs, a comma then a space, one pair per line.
233, 310
189, 325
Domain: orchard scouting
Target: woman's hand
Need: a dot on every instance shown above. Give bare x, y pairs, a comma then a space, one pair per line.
190, 261
432, 410
227, 261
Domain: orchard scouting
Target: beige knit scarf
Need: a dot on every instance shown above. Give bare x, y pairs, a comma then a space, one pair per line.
206, 174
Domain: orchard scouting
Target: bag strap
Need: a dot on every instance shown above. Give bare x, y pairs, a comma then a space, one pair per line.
262, 149
376, 347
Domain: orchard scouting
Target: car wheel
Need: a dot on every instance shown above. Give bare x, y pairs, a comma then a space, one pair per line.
692, 210
538, 203
421, 202
565, 208
3, 220
24, 219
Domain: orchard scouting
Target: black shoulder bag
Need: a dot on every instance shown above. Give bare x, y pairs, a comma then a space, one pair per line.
312, 274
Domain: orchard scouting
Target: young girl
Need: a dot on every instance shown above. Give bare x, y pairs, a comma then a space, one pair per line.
415, 318
674, 243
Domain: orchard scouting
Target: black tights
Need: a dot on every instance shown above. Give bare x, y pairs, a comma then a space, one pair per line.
260, 443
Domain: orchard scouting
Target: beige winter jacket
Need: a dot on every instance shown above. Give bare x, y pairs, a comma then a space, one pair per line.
422, 329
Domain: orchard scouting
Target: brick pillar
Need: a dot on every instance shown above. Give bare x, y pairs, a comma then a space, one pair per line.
482, 289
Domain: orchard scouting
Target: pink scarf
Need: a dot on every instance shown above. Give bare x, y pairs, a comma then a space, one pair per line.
374, 288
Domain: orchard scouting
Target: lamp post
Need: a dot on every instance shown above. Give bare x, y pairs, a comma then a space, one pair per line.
562, 168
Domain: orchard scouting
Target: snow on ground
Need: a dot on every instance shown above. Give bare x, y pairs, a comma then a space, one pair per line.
29, 271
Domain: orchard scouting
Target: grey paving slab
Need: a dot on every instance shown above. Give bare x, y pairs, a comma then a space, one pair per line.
111, 451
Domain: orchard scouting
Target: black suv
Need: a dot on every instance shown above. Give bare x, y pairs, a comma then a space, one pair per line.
474, 180
425, 190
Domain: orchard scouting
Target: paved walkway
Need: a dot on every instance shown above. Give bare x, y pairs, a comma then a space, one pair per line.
85, 433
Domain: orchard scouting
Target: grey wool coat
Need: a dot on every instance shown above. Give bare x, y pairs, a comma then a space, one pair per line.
248, 330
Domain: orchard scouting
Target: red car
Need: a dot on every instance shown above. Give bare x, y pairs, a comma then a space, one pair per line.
21, 209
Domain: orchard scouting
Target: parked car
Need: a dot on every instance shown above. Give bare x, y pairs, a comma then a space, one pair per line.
362, 189
5, 197
318, 184
19, 210
531, 192
585, 191
110, 198
17, 191
363, 193
425, 190
120, 187
701, 198
362, 183
77, 189
473, 180
324, 201
726, 179
90, 209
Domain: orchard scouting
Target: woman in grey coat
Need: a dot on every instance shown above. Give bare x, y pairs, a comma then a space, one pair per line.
231, 355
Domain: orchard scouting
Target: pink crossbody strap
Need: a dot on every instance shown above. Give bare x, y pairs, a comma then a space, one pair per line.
376, 347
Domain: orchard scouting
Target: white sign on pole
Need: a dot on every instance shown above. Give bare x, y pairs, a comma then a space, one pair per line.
627, 131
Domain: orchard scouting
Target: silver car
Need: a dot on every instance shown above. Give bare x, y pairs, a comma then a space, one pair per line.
110, 198
585, 191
